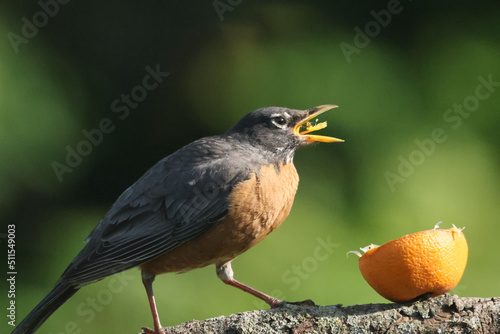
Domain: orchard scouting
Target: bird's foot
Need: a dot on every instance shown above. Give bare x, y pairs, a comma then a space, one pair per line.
307, 302
281, 303
146, 330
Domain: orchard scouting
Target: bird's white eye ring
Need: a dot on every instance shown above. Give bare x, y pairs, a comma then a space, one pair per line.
279, 121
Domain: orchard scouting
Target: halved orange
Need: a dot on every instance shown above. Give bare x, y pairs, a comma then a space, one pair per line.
431, 261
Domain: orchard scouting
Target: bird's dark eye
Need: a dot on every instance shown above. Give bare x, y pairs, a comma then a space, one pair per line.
279, 121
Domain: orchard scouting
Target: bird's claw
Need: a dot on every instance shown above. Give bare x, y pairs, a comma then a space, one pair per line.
307, 302
146, 330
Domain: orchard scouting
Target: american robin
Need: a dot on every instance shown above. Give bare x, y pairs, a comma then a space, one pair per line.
205, 204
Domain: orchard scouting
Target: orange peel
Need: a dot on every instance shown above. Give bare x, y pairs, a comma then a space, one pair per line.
427, 262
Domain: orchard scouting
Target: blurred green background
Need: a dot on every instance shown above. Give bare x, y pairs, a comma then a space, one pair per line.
395, 85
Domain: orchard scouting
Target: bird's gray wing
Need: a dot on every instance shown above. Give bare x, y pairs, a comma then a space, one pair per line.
177, 200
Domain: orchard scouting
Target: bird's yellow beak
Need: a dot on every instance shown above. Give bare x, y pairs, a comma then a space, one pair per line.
311, 113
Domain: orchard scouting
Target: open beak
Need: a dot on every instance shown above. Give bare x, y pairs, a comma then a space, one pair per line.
312, 113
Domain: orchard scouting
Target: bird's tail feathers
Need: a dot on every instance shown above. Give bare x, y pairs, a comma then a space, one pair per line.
58, 296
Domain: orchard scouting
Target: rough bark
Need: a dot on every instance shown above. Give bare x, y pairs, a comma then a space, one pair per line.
443, 314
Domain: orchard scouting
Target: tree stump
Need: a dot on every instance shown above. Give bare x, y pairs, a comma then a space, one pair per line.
443, 314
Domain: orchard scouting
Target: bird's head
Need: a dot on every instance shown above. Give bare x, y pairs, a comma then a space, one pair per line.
282, 130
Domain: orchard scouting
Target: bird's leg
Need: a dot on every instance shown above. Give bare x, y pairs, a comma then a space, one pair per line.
148, 280
225, 273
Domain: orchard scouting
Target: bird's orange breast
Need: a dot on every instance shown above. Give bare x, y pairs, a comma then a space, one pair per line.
257, 207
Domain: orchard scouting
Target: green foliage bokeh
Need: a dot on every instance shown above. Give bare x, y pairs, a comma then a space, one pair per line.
392, 94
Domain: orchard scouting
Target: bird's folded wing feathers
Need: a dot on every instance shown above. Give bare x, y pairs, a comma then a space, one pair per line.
172, 203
